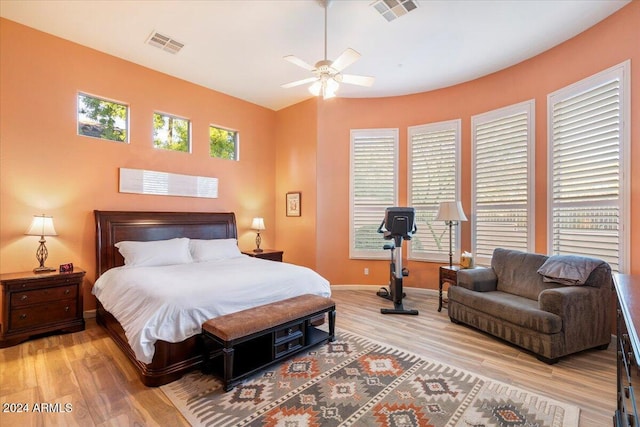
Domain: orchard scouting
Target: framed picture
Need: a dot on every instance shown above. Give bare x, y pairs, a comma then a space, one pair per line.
294, 207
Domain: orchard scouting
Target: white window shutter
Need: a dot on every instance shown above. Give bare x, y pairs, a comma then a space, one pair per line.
433, 177
373, 188
502, 187
586, 168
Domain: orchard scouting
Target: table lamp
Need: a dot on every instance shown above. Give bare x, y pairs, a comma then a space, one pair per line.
42, 225
258, 225
451, 213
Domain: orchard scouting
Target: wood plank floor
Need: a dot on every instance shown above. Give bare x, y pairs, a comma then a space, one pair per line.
87, 374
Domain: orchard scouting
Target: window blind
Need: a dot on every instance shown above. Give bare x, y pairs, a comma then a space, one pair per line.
586, 169
433, 178
502, 176
373, 188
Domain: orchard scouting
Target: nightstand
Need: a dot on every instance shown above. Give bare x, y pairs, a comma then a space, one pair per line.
270, 254
448, 275
34, 304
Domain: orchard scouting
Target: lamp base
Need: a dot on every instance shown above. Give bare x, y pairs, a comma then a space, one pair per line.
43, 270
258, 250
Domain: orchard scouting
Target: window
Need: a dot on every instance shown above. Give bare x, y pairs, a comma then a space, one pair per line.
373, 188
223, 143
103, 119
588, 147
502, 177
171, 132
434, 176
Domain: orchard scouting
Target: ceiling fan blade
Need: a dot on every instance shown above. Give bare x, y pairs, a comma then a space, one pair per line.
299, 82
299, 62
345, 59
358, 80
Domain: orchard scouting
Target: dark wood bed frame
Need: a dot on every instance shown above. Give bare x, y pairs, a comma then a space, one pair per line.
171, 360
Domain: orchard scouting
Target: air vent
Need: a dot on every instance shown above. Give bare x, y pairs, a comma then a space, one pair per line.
165, 43
392, 9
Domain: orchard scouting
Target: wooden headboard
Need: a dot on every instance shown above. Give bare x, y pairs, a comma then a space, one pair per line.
115, 226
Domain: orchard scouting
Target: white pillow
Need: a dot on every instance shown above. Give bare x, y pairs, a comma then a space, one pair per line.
215, 249
157, 252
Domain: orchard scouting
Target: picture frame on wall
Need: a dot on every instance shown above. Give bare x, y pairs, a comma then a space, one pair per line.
294, 203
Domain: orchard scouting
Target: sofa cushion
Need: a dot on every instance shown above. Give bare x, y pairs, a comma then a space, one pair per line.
517, 272
512, 308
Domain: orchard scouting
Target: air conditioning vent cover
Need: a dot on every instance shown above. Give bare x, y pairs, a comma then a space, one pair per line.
165, 43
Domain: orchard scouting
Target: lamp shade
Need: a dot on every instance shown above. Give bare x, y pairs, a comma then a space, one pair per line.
450, 211
258, 224
41, 225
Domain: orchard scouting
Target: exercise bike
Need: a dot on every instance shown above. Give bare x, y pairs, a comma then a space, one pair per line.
398, 225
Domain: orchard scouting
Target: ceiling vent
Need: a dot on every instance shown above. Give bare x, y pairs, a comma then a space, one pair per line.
165, 43
392, 9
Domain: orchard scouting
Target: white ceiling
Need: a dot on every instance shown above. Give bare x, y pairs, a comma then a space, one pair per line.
236, 46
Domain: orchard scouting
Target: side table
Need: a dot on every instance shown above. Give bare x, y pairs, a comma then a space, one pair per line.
447, 275
270, 254
35, 303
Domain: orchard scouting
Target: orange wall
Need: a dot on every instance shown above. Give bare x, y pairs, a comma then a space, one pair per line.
297, 139
45, 167
611, 42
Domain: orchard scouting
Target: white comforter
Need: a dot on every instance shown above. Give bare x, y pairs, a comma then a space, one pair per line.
170, 303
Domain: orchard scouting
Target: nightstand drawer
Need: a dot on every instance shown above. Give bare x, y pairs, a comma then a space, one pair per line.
43, 295
43, 314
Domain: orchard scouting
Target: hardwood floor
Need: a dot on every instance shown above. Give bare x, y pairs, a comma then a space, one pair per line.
88, 376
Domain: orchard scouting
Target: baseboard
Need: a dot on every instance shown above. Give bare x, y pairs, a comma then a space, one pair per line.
89, 314
374, 288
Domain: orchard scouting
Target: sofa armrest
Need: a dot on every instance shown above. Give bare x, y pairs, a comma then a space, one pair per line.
586, 314
570, 299
478, 279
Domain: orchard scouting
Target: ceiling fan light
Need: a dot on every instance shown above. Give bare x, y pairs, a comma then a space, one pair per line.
328, 94
330, 88
315, 88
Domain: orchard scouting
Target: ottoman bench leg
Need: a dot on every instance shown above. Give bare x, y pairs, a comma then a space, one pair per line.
332, 325
227, 353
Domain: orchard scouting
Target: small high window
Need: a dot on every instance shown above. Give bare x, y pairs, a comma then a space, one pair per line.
99, 118
171, 132
223, 143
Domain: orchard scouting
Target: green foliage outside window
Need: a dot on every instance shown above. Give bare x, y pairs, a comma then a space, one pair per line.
170, 133
103, 119
223, 143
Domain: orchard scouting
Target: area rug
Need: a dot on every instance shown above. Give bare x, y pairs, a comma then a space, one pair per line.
355, 381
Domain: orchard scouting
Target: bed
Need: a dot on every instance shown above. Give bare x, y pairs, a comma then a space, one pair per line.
170, 358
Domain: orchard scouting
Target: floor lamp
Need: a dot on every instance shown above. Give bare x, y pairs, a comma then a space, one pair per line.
451, 213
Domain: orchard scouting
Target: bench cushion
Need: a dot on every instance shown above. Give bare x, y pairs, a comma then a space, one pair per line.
250, 321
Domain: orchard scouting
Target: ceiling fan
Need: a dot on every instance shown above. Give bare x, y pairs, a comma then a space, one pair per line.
328, 74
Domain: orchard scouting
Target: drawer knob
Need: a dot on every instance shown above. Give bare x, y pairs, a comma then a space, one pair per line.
67, 291
23, 316
24, 298
66, 308
289, 331
290, 346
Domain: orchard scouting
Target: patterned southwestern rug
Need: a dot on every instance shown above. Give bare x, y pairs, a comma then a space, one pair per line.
357, 382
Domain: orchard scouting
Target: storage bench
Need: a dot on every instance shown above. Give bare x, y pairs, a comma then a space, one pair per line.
255, 338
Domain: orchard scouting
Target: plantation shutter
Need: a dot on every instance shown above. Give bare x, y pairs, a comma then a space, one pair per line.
586, 169
433, 178
374, 159
503, 152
